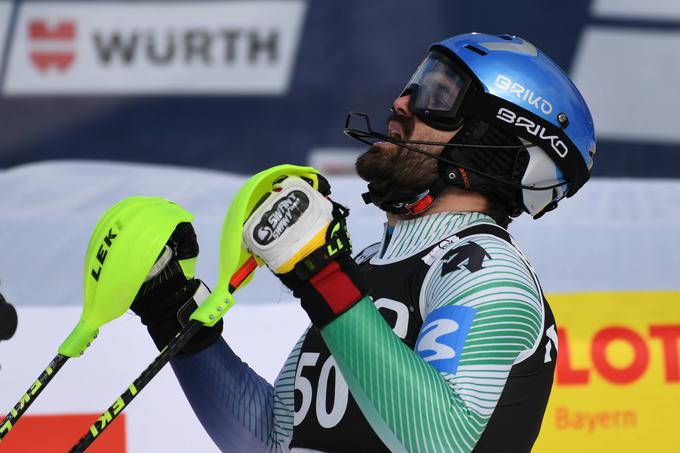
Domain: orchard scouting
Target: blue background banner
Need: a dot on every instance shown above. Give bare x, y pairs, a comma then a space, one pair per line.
351, 56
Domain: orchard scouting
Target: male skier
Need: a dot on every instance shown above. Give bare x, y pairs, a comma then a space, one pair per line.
438, 338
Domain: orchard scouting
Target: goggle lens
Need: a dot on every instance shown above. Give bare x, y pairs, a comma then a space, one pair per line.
437, 88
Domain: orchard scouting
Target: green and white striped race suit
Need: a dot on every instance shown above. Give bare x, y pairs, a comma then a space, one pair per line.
464, 362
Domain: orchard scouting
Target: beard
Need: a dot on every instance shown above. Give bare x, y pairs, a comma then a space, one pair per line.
393, 166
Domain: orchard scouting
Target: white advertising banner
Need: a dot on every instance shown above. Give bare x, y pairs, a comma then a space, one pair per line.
227, 47
87, 385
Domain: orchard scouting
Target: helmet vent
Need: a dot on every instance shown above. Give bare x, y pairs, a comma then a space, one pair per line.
476, 50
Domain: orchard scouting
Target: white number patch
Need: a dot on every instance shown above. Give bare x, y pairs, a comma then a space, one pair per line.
304, 386
340, 390
401, 325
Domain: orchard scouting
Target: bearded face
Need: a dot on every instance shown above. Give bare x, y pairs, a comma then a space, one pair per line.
388, 165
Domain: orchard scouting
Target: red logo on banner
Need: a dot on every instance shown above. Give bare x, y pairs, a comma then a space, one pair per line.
667, 335
46, 433
43, 37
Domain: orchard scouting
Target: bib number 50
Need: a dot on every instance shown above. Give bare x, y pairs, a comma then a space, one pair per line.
326, 418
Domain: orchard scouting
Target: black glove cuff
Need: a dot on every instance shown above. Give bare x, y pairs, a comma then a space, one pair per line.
161, 306
206, 336
332, 291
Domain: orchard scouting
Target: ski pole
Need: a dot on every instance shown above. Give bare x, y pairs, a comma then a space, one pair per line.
31, 394
170, 351
122, 250
129, 394
237, 266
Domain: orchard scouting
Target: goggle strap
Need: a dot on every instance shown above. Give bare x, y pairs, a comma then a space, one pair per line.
529, 126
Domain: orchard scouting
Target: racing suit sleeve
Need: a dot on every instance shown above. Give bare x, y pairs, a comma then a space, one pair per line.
240, 410
477, 324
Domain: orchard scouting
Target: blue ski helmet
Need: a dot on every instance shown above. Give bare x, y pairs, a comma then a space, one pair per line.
508, 83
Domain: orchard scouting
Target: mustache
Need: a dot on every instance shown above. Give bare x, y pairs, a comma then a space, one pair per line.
406, 123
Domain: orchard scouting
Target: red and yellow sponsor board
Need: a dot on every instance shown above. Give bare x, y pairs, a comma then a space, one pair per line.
617, 381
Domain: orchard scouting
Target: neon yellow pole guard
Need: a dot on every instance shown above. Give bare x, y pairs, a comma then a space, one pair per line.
123, 247
232, 253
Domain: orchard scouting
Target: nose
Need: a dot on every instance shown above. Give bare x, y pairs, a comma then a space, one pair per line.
400, 105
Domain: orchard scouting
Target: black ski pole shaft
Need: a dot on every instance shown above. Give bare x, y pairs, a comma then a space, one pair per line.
129, 394
31, 394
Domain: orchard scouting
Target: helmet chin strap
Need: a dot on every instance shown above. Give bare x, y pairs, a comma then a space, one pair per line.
403, 201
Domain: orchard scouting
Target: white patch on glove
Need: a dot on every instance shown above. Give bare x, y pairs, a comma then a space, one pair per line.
288, 225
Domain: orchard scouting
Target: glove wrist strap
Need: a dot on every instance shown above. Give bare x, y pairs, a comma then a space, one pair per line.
200, 295
332, 291
166, 310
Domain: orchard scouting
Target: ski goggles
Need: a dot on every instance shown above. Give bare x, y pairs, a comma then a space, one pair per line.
437, 89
